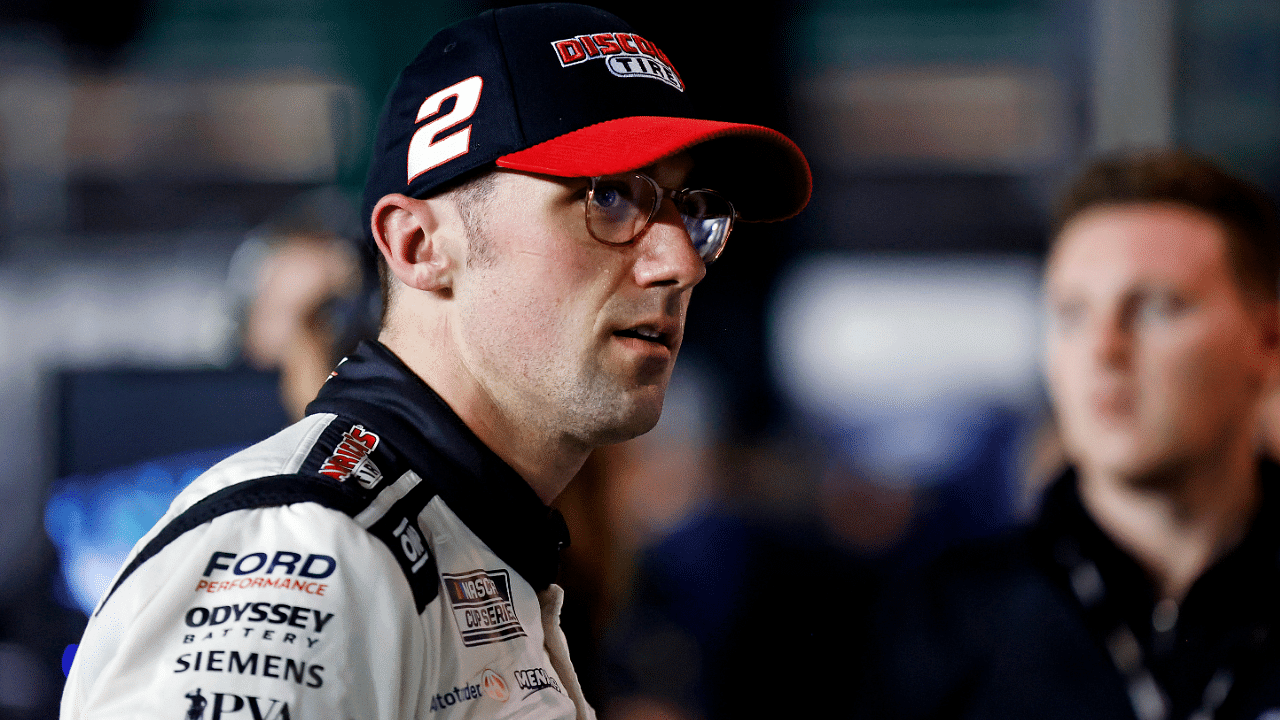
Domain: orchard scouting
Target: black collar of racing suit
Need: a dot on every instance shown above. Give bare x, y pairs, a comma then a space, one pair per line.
374, 387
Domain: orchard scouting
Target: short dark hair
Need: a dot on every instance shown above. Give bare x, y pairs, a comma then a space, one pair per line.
1180, 177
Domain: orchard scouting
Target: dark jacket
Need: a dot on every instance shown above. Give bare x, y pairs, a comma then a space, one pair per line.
1037, 622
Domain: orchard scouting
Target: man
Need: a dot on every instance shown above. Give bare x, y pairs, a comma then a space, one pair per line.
1148, 586
392, 555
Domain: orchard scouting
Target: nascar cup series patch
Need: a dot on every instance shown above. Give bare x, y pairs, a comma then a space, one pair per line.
625, 54
482, 606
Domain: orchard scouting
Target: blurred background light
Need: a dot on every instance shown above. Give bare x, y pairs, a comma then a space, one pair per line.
856, 336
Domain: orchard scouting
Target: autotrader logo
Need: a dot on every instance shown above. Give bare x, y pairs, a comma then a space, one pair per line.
494, 686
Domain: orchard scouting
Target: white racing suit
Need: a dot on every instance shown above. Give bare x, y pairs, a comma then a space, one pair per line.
374, 560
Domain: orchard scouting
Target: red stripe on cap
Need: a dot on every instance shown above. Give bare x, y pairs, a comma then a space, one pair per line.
632, 143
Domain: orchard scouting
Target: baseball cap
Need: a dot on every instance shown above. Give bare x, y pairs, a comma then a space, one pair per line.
571, 91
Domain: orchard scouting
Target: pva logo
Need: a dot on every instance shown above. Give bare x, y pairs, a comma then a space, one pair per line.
234, 707
351, 458
625, 54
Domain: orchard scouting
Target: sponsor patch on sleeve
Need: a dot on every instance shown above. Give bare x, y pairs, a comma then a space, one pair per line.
482, 606
407, 541
351, 458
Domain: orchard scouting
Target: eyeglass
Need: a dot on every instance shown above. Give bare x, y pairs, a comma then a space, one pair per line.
620, 208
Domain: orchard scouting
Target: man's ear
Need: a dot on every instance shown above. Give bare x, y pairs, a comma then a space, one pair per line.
416, 238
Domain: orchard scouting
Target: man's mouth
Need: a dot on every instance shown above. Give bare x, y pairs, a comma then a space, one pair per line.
648, 334
1113, 404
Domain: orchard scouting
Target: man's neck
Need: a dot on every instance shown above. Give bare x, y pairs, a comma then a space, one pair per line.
1176, 527
546, 463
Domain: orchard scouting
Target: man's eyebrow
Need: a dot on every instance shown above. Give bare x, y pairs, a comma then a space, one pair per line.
682, 168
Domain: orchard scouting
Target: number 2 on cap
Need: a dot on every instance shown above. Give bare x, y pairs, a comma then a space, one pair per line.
425, 151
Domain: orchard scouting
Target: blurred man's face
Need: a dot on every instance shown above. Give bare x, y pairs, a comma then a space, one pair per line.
1156, 358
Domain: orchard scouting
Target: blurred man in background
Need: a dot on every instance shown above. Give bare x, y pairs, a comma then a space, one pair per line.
1149, 585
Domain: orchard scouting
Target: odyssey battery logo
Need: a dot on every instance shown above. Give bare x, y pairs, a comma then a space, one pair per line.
625, 54
351, 458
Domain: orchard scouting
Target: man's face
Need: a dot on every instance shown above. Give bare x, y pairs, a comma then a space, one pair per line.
558, 329
1156, 359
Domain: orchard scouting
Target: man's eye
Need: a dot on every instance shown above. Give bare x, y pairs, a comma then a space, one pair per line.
610, 196
607, 197
1163, 307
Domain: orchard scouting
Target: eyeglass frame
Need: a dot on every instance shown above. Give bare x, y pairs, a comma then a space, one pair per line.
661, 193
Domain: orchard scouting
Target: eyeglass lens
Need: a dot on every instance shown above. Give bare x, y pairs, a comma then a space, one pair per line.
620, 207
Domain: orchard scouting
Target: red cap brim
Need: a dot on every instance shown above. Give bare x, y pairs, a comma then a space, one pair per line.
762, 172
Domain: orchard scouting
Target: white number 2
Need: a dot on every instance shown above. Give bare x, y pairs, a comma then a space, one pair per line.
425, 152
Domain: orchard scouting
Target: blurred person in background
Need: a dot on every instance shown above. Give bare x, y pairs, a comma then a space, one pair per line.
1148, 586
311, 294
536, 198
301, 296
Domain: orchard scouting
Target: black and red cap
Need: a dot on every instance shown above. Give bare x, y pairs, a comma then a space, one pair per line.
571, 91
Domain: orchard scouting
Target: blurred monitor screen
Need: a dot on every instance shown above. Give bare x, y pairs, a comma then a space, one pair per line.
116, 417
129, 441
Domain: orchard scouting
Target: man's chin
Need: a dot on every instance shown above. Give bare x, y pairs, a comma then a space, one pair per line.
1138, 469
635, 427
637, 419
1112, 454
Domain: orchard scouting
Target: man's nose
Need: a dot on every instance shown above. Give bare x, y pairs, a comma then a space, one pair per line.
667, 255
1112, 341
